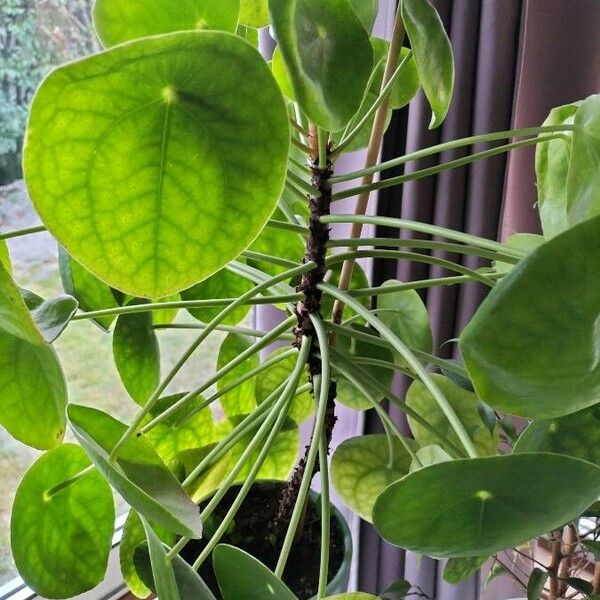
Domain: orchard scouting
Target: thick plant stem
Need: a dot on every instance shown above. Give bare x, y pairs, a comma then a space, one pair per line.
373, 150
554, 565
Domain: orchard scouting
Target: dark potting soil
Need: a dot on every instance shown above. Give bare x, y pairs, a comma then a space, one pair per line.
254, 531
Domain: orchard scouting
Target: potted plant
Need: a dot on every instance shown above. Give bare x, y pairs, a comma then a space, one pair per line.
179, 170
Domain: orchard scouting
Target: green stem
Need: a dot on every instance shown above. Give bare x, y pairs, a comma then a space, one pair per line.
321, 382
20, 232
67, 482
447, 166
275, 224
323, 141
435, 230
228, 328
459, 143
302, 184
325, 517
224, 370
274, 260
426, 244
384, 93
412, 361
280, 411
300, 145
413, 257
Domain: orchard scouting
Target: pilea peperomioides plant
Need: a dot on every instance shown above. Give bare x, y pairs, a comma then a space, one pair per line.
178, 169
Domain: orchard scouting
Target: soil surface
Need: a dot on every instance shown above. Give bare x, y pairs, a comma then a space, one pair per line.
254, 531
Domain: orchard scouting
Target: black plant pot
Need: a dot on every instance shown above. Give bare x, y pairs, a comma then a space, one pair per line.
254, 530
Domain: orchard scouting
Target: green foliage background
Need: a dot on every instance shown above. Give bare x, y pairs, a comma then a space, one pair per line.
35, 35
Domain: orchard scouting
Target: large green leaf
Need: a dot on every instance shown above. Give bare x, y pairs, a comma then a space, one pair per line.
406, 315
583, 182
270, 379
552, 169
366, 10
60, 542
353, 348
188, 582
464, 403
86, 288
138, 473
190, 426
137, 355
254, 13
33, 393
137, 158
240, 400
249, 580
576, 435
532, 347
480, 506
163, 575
316, 39
117, 21
361, 468
223, 284
433, 55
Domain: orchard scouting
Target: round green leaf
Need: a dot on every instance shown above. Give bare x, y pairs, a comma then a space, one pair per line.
551, 168
576, 435
406, 315
270, 379
139, 474
532, 347
137, 158
254, 13
353, 348
133, 535
60, 542
223, 284
525, 242
89, 291
188, 427
464, 403
281, 75
366, 10
137, 355
5, 257
480, 506
316, 39
249, 580
33, 393
459, 569
166, 316
361, 468
117, 21
433, 55
240, 400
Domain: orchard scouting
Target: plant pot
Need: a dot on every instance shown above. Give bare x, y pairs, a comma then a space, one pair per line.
254, 531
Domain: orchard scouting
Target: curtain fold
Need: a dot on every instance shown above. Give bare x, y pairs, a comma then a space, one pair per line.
515, 59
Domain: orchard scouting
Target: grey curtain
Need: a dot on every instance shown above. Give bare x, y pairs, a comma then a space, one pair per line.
515, 59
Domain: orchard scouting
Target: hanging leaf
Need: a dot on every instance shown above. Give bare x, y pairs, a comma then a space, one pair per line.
165, 316
189, 583
147, 107
60, 546
531, 348
353, 348
133, 535
254, 13
433, 55
464, 403
361, 468
250, 579
90, 292
398, 588
139, 475
406, 315
462, 508
458, 570
316, 40
163, 575
223, 284
536, 583
5, 257
525, 242
576, 435
53, 315
552, 168
240, 400
116, 21
270, 379
137, 355
188, 427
